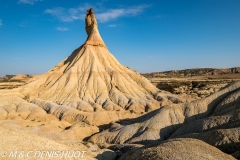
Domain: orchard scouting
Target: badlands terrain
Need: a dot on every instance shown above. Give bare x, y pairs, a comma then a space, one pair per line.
91, 103
194, 84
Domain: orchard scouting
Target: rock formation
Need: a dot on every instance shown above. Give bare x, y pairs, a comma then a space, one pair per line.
91, 80
91, 27
16, 144
177, 119
177, 149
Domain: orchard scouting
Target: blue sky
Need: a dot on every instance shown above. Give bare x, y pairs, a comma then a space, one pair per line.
148, 36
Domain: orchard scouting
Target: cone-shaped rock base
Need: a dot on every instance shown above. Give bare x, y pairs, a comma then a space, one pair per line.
90, 78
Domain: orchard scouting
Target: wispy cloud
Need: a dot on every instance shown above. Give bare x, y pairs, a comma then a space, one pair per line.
68, 15
72, 14
112, 25
0, 22
62, 29
28, 1
23, 24
13, 57
122, 12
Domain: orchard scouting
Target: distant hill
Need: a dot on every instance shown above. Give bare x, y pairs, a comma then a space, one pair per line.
194, 72
6, 77
14, 78
22, 77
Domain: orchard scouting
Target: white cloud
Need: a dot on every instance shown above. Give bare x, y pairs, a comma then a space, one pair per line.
72, 14
62, 29
68, 15
122, 12
0, 22
112, 25
23, 24
28, 1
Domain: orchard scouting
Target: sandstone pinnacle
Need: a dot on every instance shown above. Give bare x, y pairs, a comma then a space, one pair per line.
91, 27
92, 79
91, 86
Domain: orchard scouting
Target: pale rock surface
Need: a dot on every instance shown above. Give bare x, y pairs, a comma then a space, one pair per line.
72, 115
23, 141
181, 149
18, 114
162, 123
221, 129
227, 140
16, 108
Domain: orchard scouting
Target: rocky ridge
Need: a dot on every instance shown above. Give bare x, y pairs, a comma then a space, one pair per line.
214, 120
195, 72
